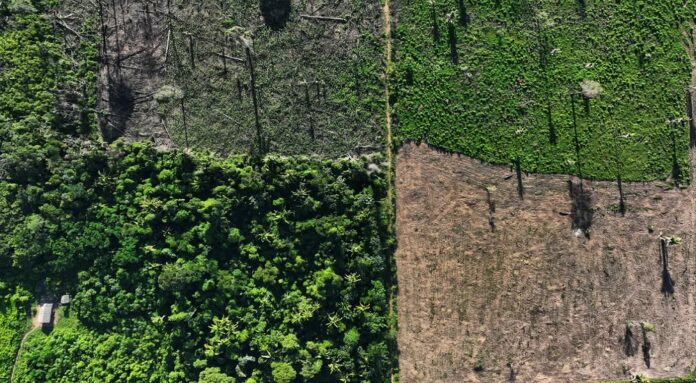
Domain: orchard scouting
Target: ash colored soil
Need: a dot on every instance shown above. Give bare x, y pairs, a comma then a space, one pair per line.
537, 300
137, 41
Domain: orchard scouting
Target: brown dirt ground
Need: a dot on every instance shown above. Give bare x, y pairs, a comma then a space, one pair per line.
536, 300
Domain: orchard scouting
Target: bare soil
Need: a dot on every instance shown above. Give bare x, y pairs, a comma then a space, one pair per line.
549, 288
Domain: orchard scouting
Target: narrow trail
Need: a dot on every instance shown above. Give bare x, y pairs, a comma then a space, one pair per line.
387, 108
389, 142
34, 325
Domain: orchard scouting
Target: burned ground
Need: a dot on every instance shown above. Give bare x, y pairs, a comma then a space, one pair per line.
558, 286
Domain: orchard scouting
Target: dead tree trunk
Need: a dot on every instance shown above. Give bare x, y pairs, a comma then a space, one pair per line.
520, 186
183, 117
192, 52
118, 43
325, 18
575, 135
690, 113
667, 281
491, 210
104, 47
252, 74
224, 57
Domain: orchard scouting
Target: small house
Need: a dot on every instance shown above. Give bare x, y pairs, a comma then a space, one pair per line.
46, 315
65, 300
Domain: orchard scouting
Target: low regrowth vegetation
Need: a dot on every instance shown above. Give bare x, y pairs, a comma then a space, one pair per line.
597, 90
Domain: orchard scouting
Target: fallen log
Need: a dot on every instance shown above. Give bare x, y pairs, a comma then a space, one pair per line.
325, 18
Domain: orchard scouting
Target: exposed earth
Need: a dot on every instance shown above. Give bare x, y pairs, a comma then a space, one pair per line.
555, 287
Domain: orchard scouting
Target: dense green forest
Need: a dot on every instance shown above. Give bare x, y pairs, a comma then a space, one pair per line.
267, 271
183, 266
594, 88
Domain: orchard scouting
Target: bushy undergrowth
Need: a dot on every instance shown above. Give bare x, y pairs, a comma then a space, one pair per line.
493, 79
13, 323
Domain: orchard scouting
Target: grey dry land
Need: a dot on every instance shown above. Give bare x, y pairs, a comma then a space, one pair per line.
535, 300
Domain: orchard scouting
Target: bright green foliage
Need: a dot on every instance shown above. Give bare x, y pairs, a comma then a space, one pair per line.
213, 375
504, 93
283, 372
73, 353
13, 323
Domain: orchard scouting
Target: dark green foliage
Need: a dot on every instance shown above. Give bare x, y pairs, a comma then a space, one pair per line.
273, 270
503, 90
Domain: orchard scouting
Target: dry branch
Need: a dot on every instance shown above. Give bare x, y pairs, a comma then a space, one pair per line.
325, 18
67, 27
235, 59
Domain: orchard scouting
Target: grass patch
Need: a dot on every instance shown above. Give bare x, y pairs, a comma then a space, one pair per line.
586, 90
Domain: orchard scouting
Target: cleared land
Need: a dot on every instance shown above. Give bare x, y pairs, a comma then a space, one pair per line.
300, 77
537, 298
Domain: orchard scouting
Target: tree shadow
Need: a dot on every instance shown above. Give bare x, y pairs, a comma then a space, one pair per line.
676, 168
630, 342
667, 281
582, 8
518, 172
581, 211
452, 37
436, 26
647, 358
553, 136
276, 13
463, 14
121, 107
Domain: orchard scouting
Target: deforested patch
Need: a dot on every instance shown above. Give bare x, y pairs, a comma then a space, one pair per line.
530, 301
